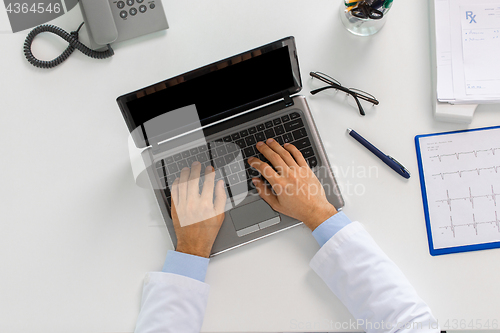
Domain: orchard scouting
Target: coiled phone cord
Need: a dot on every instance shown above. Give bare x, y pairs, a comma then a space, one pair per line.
71, 38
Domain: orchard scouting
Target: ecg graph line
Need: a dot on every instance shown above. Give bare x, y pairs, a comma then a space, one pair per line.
457, 155
471, 197
460, 172
452, 226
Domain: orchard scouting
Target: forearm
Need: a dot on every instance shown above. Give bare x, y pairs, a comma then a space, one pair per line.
172, 303
369, 284
174, 300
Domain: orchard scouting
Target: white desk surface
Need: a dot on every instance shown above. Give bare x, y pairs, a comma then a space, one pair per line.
77, 235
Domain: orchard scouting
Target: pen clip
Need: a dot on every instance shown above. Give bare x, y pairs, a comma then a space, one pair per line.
400, 165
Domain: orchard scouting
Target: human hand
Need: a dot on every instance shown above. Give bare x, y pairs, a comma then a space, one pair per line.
197, 217
297, 191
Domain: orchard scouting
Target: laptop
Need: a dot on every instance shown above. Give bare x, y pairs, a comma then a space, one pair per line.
215, 115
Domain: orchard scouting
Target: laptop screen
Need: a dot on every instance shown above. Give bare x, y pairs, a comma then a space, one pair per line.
219, 90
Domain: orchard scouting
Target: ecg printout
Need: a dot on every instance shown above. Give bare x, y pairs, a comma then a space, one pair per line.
462, 180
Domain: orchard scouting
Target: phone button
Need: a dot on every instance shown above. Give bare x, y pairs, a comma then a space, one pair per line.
120, 4
142, 9
123, 14
133, 11
130, 2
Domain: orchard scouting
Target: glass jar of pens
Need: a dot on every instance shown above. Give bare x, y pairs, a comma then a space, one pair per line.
364, 17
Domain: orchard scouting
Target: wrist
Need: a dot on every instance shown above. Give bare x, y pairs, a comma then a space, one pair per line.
320, 215
181, 247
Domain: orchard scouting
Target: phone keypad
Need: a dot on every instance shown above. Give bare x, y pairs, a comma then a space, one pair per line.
126, 12
133, 11
133, 18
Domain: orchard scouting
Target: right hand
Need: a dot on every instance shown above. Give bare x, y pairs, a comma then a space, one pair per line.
297, 191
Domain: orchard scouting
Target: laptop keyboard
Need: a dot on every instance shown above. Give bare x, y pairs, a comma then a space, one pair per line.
222, 153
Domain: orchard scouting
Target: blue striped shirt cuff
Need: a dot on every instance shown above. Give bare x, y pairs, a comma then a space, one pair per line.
179, 263
330, 227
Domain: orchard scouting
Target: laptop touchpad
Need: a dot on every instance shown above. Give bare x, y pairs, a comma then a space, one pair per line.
253, 217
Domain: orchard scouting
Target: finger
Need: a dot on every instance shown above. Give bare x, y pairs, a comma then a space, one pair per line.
208, 186
266, 193
297, 155
183, 185
264, 169
194, 180
220, 197
284, 154
272, 156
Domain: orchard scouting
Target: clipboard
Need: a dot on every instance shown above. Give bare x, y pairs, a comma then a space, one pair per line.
439, 146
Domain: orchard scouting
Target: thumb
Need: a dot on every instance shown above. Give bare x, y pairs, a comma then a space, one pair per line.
173, 201
175, 217
266, 193
220, 197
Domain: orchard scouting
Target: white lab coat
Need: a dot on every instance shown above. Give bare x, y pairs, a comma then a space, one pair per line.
369, 284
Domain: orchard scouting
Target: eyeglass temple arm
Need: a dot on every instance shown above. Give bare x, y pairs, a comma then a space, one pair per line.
336, 86
346, 90
361, 110
366, 98
319, 77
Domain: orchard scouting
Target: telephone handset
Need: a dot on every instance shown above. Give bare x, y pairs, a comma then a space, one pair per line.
99, 21
106, 21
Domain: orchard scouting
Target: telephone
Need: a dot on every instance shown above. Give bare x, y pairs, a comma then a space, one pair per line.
112, 21
106, 21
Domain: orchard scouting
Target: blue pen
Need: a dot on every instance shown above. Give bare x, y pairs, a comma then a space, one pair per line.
390, 161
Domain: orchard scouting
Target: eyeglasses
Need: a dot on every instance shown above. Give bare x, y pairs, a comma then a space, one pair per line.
334, 84
366, 9
365, 12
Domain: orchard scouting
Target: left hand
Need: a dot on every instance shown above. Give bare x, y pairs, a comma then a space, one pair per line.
197, 217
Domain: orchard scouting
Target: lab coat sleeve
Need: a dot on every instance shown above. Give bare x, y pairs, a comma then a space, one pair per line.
370, 285
172, 303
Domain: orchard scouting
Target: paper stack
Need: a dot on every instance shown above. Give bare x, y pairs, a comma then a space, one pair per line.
467, 36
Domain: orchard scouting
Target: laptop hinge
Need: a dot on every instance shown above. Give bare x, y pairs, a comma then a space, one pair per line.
154, 146
286, 96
